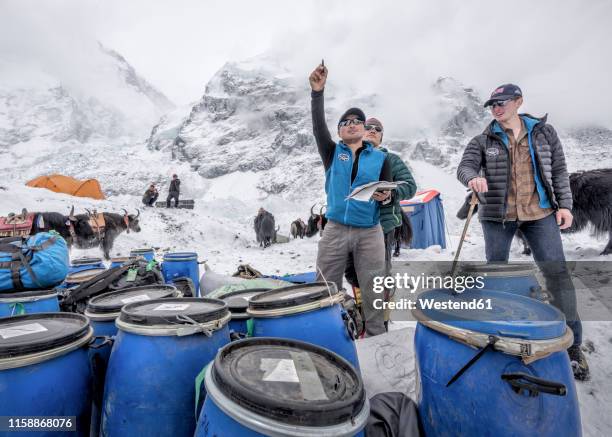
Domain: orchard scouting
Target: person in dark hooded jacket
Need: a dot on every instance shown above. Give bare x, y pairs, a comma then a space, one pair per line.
174, 191
519, 166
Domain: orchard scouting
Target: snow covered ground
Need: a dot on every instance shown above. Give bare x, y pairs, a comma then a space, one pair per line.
219, 229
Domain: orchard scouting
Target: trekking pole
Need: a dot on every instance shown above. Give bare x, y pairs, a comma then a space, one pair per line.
473, 203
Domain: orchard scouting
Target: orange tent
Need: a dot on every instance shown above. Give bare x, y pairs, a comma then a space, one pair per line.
65, 184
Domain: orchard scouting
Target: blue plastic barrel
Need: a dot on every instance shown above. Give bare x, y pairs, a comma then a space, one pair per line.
274, 386
160, 348
118, 261
305, 312
28, 302
102, 311
179, 264
86, 263
238, 303
148, 254
77, 278
44, 368
513, 388
516, 278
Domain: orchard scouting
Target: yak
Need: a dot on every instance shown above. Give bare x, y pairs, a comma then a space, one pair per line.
403, 234
264, 228
592, 205
316, 222
592, 198
298, 228
114, 224
74, 229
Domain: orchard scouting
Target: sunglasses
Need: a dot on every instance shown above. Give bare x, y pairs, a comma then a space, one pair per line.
352, 121
369, 127
500, 103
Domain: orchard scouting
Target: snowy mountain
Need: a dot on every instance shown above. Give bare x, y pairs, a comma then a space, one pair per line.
106, 100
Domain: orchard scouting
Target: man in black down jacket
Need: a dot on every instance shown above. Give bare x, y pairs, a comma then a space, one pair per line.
174, 191
519, 165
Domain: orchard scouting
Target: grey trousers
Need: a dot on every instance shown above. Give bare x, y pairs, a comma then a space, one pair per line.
368, 248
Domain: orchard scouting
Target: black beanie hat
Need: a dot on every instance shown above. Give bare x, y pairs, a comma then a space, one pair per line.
353, 111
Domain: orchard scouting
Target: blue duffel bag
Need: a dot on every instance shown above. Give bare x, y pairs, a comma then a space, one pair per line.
37, 262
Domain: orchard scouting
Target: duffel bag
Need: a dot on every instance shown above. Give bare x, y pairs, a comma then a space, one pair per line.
135, 273
30, 263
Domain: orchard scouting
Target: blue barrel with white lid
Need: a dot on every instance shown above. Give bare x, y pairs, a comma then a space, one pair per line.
493, 363
281, 387
85, 263
238, 303
44, 368
160, 347
118, 261
77, 278
182, 264
306, 312
146, 253
102, 311
29, 302
515, 278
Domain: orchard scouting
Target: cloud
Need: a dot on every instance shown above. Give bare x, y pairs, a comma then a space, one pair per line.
557, 51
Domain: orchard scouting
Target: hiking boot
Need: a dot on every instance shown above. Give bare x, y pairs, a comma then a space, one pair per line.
580, 367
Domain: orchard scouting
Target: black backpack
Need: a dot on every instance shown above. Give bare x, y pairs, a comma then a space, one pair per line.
133, 274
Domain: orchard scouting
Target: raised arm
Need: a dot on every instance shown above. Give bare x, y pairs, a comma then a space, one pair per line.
325, 144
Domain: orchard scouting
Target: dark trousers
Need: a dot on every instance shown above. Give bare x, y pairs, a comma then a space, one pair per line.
544, 238
172, 195
153, 199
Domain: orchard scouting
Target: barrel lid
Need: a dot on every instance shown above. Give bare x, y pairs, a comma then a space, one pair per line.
292, 295
180, 255
112, 302
289, 381
142, 250
29, 293
238, 301
166, 312
85, 261
31, 333
84, 275
509, 269
510, 315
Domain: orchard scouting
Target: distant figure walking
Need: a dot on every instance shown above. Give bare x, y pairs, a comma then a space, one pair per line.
174, 191
150, 196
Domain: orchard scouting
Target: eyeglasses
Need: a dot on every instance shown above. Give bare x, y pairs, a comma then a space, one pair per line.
350, 121
500, 103
371, 126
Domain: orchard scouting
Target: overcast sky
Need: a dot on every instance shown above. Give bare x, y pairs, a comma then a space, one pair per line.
558, 51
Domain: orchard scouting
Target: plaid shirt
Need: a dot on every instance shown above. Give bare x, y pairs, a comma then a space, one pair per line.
523, 199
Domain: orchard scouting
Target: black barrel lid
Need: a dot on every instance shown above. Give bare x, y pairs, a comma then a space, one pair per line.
112, 302
165, 311
31, 333
28, 293
85, 261
238, 301
289, 381
292, 295
498, 268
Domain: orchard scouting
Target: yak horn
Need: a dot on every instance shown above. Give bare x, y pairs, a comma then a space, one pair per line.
311, 208
124, 211
137, 213
71, 215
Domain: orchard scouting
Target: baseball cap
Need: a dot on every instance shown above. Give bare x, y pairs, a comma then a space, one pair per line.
353, 111
504, 92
